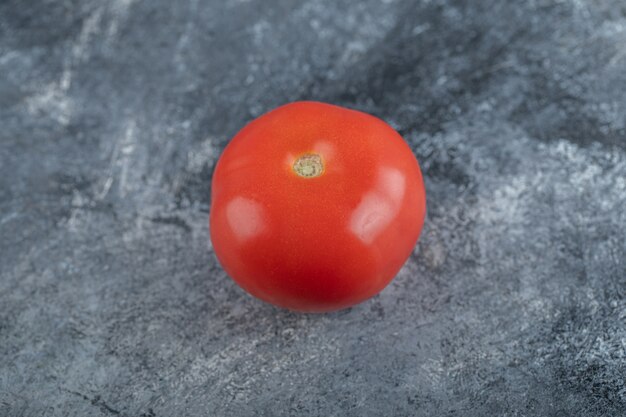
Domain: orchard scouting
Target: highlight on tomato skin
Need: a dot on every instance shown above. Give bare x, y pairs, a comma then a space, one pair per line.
315, 207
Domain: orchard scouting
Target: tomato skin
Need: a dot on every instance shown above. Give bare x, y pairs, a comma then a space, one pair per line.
321, 242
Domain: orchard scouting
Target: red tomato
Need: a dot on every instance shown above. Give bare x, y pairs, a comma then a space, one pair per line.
316, 207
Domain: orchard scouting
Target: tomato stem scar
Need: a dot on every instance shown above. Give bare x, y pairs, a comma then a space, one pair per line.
309, 165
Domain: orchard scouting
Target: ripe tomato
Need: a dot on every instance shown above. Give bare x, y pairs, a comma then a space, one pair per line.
316, 207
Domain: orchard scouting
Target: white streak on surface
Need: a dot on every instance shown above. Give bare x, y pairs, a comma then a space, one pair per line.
53, 99
80, 50
127, 148
119, 11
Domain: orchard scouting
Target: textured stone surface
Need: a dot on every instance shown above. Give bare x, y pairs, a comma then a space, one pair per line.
112, 115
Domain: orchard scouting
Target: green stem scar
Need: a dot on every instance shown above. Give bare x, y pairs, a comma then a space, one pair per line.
309, 165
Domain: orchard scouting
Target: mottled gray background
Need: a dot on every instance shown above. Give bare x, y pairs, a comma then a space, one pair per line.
112, 115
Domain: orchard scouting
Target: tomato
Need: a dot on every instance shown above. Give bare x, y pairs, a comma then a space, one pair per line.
316, 207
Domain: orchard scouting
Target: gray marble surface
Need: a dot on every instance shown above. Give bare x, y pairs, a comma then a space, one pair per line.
112, 115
